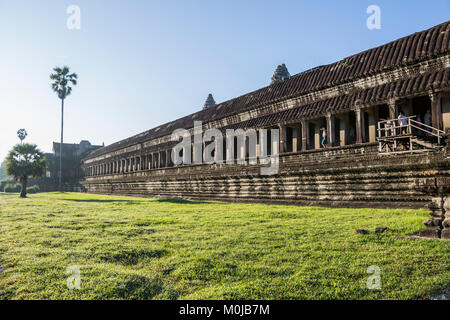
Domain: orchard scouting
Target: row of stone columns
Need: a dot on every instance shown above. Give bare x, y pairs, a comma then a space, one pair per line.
348, 132
138, 163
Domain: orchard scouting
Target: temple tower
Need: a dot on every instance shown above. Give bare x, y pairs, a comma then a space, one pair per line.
281, 73
209, 102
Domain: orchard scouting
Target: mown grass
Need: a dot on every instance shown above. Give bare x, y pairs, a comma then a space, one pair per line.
132, 248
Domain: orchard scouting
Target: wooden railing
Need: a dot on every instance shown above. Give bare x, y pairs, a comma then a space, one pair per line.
406, 135
394, 128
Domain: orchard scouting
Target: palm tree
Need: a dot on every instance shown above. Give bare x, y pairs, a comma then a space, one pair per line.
24, 161
62, 79
22, 134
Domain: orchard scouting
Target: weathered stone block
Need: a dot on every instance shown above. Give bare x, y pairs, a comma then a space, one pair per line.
433, 222
445, 234
431, 232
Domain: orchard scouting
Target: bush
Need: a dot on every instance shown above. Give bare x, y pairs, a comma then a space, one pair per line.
12, 187
4, 182
33, 189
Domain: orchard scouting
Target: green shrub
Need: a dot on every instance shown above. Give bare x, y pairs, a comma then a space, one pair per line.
33, 189
4, 182
12, 187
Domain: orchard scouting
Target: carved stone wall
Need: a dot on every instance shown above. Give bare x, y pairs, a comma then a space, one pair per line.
351, 176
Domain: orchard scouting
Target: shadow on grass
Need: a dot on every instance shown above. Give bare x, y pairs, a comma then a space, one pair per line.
182, 201
105, 201
176, 201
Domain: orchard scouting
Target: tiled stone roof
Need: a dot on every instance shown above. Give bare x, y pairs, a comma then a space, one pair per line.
414, 48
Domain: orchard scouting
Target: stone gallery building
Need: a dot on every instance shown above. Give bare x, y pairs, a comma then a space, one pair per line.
73, 153
341, 142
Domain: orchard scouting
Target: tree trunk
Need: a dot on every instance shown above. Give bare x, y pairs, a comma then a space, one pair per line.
61, 145
23, 192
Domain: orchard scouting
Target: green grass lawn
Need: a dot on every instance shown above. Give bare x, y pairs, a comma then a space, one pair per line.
133, 248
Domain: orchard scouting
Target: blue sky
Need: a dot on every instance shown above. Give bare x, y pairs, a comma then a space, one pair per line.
144, 63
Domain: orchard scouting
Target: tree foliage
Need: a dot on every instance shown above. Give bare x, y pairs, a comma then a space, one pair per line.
62, 78
23, 161
22, 134
3, 170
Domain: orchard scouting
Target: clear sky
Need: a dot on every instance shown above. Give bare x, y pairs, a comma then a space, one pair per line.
144, 63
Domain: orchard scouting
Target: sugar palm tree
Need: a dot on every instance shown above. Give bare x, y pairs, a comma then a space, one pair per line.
24, 161
22, 134
62, 81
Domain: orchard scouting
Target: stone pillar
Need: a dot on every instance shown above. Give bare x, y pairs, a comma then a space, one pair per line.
282, 138
156, 160
344, 127
445, 234
393, 109
436, 111
305, 134
317, 136
360, 126
229, 157
295, 138
218, 150
433, 225
263, 143
330, 130
373, 122
275, 143
243, 150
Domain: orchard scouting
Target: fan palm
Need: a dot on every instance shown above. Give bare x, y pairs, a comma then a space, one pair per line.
62, 81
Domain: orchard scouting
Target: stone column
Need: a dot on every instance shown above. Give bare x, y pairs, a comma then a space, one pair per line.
156, 160
344, 127
393, 109
167, 158
438, 226
305, 134
218, 150
360, 126
445, 234
373, 119
263, 143
436, 111
275, 143
243, 150
317, 135
330, 130
230, 150
282, 138
295, 141
433, 225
